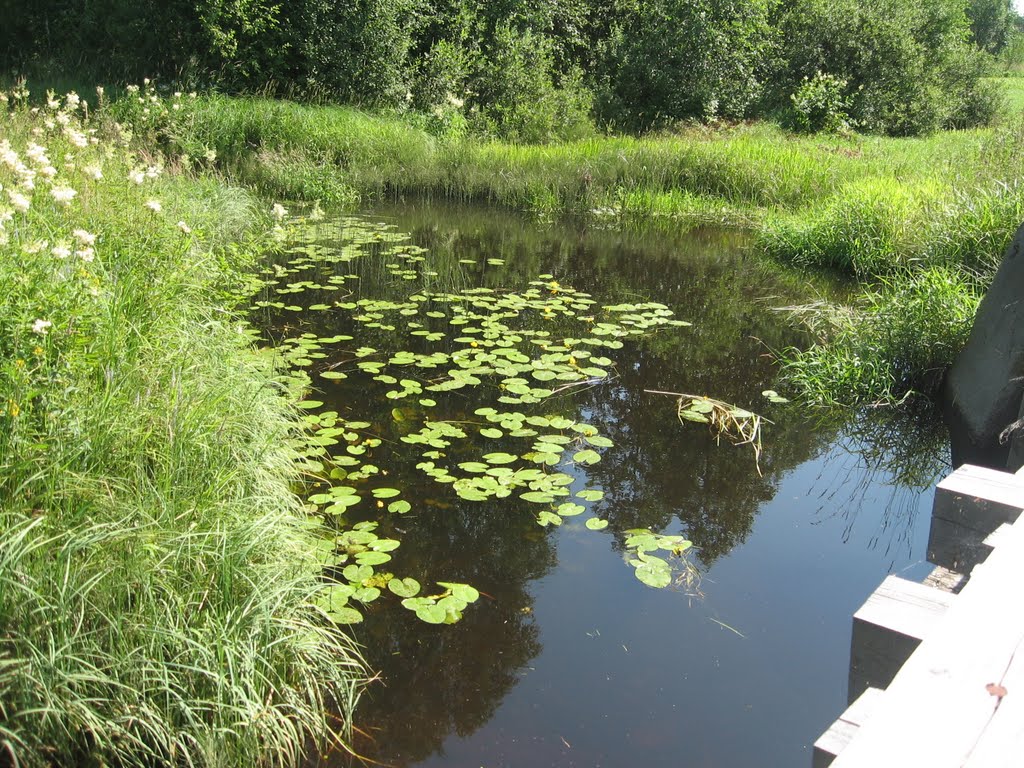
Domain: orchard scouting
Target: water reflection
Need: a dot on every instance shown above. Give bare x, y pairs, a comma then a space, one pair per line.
568, 660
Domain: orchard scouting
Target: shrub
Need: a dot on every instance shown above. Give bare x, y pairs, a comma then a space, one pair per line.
820, 104
670, 60
908, 65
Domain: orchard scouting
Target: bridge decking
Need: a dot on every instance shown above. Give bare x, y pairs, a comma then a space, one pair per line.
958, 700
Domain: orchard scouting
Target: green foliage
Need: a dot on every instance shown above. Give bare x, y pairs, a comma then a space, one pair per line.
146, 508
516, 98
907, 66
898, 341
352, 52
819, 104
671, 60
991, 23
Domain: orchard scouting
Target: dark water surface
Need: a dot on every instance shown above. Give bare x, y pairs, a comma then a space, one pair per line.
567, 659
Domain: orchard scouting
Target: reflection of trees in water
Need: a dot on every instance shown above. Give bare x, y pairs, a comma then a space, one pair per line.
904, 450
443, 680
438, 681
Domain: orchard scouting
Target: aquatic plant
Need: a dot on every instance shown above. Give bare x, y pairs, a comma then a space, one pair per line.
479, 383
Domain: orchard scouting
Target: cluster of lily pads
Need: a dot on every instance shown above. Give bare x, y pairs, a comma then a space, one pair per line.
426, 346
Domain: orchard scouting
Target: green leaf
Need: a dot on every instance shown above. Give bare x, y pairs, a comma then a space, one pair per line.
600, 442
590, 495
537, 497
463, 592
309, 404
372, 558
586, 457
569, 509
399, 507
431, 614
499, 458
385, 493
492, 433
654, 575
345, 615
597, 524
548, 518
407, 587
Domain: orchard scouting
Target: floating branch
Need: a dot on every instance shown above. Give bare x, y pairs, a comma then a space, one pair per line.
739, 426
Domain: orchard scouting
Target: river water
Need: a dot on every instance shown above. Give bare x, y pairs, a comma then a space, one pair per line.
567, 659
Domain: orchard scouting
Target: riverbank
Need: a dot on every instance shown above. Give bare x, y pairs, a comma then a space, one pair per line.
157, 574
918, 222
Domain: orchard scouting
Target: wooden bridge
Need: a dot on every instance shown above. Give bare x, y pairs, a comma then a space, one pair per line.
937, 668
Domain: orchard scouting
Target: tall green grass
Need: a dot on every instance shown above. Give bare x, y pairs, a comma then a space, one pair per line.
869, 207
157, 574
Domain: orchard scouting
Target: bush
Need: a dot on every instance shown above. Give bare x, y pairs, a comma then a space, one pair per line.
820, 104
670, 60
908, 65
514, 96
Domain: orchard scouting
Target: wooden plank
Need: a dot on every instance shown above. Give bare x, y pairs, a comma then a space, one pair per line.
945, 579
937, 712
888, 628
956, 547
999, 534
979, 497
1001, 744
839, 734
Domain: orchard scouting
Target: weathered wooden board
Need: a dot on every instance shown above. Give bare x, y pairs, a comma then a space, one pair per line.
969, 505
839, 734
889, 627
938, 711
979, 498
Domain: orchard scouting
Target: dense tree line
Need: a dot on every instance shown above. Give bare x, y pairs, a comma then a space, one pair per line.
540, 69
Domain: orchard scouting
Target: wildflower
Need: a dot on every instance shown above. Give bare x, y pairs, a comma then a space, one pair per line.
14, 409
5, 216
85, 238
37, 351
94, 172
132, 88
19, 364
278, 211
137, 177
72, 100
64, 119
51, 101
154, 206
34, 247
77, 138
48, 171
184, 227
19, 201
86, 254
61, 252
99, 92
37, 153
211, 155
317, 213
153, 171
63, 195
41, 327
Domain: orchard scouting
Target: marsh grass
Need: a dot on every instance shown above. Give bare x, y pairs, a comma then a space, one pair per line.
894, 342
156, 569
877, 210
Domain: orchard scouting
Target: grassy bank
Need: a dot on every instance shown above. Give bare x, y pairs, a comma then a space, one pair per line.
155, 569
919, 220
